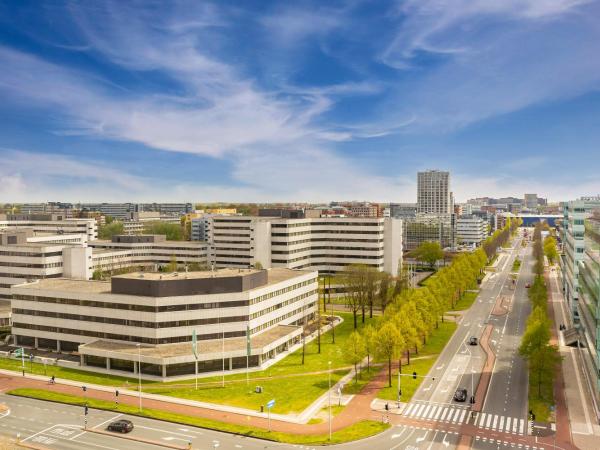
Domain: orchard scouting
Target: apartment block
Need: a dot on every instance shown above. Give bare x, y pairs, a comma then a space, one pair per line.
151, 317
46, 223
326, 244
430, 227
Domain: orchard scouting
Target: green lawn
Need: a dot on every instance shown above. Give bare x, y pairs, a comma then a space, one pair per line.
465, 302
69, 374
428, 356
359, 430
289, 381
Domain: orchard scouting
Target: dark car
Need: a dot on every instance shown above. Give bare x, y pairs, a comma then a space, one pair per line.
121, 426
528, 285
460, 395
472, 340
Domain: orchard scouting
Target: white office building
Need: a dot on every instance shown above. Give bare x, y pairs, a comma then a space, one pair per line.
471, 230
434, 195
47, 225
105, 321
324, 244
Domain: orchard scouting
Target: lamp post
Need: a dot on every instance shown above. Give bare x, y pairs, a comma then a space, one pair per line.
329, 397
139, 346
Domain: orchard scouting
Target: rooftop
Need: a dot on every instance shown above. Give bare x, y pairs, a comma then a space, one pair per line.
210, 346
275, 275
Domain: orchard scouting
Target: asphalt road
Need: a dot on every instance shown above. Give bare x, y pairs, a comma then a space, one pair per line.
460, 365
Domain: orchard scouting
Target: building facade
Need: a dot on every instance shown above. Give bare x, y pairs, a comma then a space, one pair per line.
434, 195
105, 321
325, 244
471, 230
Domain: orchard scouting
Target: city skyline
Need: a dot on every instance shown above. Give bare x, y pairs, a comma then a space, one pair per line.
259, 102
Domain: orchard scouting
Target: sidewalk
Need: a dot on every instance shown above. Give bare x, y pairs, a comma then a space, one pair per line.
574, 411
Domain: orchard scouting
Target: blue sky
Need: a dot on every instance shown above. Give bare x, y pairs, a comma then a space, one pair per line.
297, 101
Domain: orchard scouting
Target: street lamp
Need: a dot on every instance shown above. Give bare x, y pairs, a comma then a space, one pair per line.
139, 346
329, 397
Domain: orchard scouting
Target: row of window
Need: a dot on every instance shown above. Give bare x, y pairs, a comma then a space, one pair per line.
308, 249
277, 306
304, 233
129, 307
29, 265
281, 291
124, 337
279, 319
28, 275
327, 224
327, 257
31, 255
131, 323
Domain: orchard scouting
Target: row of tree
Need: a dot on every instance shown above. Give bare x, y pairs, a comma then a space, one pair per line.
409, 315
542, 357
500, 237
173, 231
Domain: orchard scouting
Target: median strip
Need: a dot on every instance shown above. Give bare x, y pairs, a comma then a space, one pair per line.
486, 373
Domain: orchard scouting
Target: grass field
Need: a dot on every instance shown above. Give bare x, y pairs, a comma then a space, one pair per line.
357, 431
465, 302
68, 374
294, 385
426, 359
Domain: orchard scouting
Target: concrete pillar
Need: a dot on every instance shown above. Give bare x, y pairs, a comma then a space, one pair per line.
81, 360
35, 342
135, 367
107, 363
230, 363
164, 370
57, 346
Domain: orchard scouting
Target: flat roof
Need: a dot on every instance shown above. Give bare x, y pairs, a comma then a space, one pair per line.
274, 275
208, 346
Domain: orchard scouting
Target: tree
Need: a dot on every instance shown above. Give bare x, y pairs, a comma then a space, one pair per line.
354, 281
388, 345
383, 295
173, 231
172, 266
370, 338
550, 250
429, 252
110, 229
354, 351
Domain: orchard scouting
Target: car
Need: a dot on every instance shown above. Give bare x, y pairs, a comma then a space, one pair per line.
472, 340
528, 285
121, 426
460, 395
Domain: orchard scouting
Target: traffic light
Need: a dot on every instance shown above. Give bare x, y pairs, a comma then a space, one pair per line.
472, 401
387, 407
86, 409
84, 388
414, 375
116, 393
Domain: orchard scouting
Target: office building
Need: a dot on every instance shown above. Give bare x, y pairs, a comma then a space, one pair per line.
105, 321
49, 223
405, 211
439, 228
471, 230
120, 211
433, 193
589, 300
326, 244
530, 201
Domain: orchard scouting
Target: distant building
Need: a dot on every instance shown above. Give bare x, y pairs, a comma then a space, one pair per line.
325, 244
365, 210
433, 193
471, 229
439, 228
530, 201
51, 223
403, 210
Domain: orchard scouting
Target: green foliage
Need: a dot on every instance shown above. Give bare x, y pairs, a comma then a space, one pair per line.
550, 249
110, 229
500, 237
173, 231
355, 351
428, 252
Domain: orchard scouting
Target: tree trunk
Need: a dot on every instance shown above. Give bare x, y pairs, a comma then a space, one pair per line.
355, 374
408, 356
390, 372
368, 363
355, 320
363, 314
371, 309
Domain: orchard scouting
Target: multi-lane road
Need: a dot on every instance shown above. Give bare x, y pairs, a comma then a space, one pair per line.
504, 409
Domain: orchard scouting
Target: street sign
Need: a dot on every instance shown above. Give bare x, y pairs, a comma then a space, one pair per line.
270, 403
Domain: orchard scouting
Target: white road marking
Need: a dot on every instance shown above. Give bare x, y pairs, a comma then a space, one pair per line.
109, 420
164, 431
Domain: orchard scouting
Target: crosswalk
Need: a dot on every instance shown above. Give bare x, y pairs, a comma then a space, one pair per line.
436, 412
500, 423
457, 414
